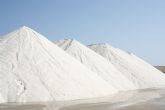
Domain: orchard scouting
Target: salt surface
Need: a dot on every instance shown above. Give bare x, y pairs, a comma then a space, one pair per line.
142, 74
148, 99
96, 63
34, 69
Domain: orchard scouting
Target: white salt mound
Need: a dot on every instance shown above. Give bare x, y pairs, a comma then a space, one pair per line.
96, 63
34, 69
1, 99
142, 74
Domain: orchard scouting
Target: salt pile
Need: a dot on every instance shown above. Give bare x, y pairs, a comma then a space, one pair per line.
34, 69
96, 63
142, 74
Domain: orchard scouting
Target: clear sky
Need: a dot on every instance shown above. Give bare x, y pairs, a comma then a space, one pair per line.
136, 26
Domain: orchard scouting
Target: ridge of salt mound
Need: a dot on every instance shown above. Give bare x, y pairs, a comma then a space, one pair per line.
142, 74
32, 69
96, 63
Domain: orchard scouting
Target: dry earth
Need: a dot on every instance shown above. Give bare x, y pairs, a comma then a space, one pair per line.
161, 68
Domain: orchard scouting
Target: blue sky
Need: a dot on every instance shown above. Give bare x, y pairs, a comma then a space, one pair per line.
136, 26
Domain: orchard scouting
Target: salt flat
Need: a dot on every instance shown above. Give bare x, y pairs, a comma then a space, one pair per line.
147, 99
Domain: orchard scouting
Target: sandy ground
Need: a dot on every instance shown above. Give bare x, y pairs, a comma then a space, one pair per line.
148, 99
161, 68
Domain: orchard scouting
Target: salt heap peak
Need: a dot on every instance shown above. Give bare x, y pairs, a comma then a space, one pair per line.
142, 74
34, 69
96, 63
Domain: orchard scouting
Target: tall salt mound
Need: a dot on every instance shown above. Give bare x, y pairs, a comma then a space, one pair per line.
34, 69
96, 63
142, 74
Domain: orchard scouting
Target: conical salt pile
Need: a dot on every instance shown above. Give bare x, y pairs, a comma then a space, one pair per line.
142, 74
34, 69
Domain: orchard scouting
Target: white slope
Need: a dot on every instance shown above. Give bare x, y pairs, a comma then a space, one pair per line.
1, 99
142, 74
96, 63
34, 69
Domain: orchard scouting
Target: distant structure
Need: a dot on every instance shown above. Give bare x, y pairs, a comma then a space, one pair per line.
161, 68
